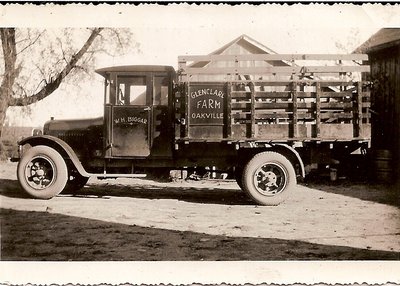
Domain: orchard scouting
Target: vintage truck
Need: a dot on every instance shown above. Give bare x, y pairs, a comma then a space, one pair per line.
264, 119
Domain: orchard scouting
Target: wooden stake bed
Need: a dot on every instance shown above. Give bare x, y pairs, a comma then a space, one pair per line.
273, 98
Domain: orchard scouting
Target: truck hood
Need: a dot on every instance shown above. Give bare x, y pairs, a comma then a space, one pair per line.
71, 124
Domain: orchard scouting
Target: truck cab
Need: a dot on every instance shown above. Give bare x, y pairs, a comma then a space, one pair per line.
135, 133
137, 120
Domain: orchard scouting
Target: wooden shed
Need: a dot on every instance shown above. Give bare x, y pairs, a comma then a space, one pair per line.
383, 49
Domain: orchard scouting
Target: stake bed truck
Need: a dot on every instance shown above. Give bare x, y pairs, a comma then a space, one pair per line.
265, 120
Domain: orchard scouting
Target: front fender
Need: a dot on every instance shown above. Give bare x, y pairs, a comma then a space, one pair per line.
56, 143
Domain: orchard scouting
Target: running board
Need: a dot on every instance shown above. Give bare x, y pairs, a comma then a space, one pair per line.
105, 176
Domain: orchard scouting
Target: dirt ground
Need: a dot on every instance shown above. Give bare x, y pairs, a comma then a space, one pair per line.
132, 219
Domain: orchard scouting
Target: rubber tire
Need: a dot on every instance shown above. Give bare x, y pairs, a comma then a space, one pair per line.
249, 172
60, 172
76, 184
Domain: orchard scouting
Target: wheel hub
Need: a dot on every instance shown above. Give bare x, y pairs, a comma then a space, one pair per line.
270, 179
39, 173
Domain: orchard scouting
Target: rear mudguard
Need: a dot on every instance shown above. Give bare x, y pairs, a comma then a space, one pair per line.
294, 154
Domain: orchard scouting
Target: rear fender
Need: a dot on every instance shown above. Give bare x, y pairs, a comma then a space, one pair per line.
290, 153
61, 146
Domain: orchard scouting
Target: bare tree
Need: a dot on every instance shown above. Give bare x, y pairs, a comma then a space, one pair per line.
37, 62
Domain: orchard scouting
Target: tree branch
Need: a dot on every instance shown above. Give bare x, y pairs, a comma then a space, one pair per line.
54, 83
31, 43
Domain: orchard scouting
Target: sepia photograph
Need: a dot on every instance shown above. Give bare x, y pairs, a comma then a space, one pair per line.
200, 143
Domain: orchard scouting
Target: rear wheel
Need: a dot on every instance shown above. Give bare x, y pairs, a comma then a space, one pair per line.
269, 178
42, 172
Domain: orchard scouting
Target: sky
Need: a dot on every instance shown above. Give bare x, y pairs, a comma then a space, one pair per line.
165, 32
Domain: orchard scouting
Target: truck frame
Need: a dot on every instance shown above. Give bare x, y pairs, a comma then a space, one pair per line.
264, 119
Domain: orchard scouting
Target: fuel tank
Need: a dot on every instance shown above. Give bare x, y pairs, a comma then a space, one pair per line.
84, 136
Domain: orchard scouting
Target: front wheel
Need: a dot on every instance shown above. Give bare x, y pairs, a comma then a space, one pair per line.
42, 172
269, 178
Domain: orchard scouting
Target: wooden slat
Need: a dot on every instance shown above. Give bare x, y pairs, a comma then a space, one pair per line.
332, 115
331, 94
333, 83
336, 105
309, 82
274, 111
273, 57
264, 115
286, 94
289, 105
300, 115
281, 114
262, 94
240, 115
239, 112
273, 94
274, 69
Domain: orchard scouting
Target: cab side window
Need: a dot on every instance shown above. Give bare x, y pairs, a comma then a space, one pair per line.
131, 90
160, 90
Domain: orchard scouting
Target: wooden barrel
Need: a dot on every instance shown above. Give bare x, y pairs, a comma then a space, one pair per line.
382, 164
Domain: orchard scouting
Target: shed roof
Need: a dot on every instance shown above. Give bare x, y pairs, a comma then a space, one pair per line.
384, 38
247, 43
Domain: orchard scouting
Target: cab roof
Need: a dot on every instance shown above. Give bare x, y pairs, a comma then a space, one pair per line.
135, 68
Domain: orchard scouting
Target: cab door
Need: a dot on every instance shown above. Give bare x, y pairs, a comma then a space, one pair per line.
131, 117
161, 129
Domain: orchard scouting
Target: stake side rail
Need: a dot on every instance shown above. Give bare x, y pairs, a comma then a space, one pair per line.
264, 102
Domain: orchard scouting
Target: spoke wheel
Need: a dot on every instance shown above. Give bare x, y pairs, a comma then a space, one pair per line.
39, 172
269, 178
42, 172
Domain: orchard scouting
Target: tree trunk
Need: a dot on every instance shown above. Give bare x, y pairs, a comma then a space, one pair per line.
10, 72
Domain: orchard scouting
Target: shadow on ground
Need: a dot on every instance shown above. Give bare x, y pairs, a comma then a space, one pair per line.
46, 236
379, 193
11, 188
356, 188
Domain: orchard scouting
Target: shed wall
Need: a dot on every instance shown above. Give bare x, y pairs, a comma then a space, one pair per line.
385, 102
